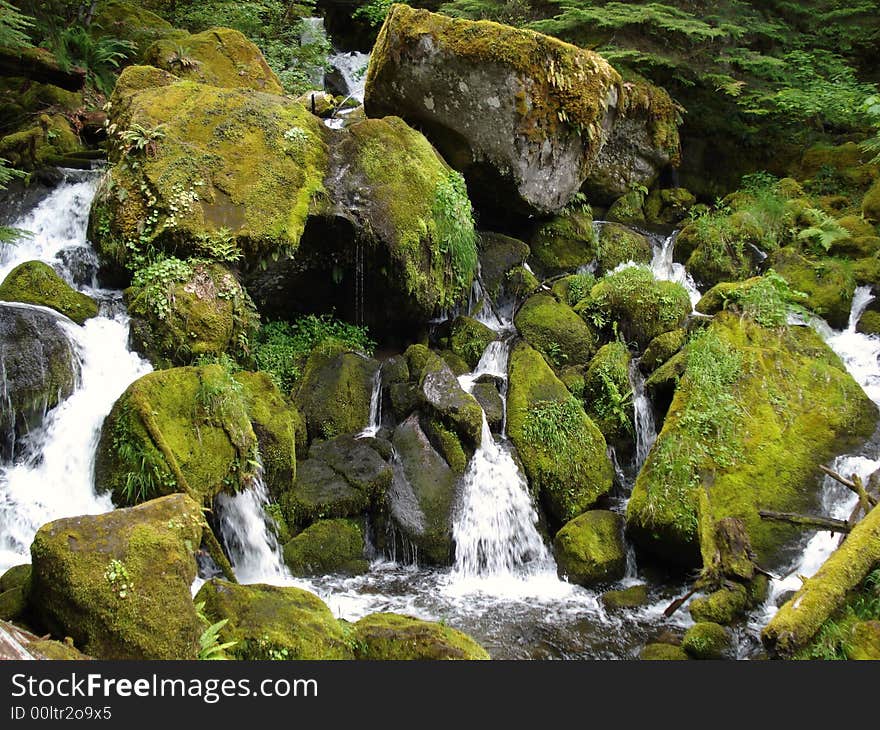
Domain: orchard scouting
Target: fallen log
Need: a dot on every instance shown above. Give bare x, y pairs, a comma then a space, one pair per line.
854, 485
808, 521
39, 65
797, 622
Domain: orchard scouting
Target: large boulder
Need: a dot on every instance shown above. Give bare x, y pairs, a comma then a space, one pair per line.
273, 622
39, 365
553, 328
619, 244
562, 450
133, 23
35, 282
219, 56
327, 546
607, 392
527, 118
500, 255
119, 583
590, 549
739, 437
392, 636
563, 244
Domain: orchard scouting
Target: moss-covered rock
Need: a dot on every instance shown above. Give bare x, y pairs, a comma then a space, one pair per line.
13, 603
628, 209
755, 414
39, 365
619, 244
723, 606
334, 392
392, 636
490, 401
554, 329
668, 206
43, 143
562, 450
273, 622
705, 640
35, 282
662, 652
642, 306
869, 323
563, 244
871, 204
219, 56
204, 312
500, 254
16, 577
661, 349
130, 22
178, 430
720, 247
119, 583
864, 641
606, 387
828, 283
327, 546
539, 115
469, 339
589, 549
631, 597
230, 163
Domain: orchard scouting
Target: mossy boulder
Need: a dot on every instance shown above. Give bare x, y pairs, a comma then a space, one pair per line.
642, 306
619, 244
499, 255
422, 494
204, 312
225, 163
720, 248
606, 385
539, 113
662, 652
869, 323
563, 244
554, 329
327, 546
219, 56
490, 401
39, 365
871, 204
119, 583
723, 606
661, 349
13, 603
631, 597
665, 207
562, 450
334, 392
45, 142
273, 622
35, 282
705, 640
864, 641
755, 414
628, 209
126, 21
392, 636
179, 430
589, 549
469, 339
16, 577
828, 283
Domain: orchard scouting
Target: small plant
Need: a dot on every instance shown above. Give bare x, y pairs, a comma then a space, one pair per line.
296, 135
373, 11
218, 245
117, 576
210, 647
770, 300
555, 353
455, 235
579, 286
824, 232
156, 281
137, 139
180, 58
145, 473
74, 45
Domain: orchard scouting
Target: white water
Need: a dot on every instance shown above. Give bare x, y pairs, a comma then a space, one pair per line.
375, 422
54, 476
665, 269
643, 415
352, 66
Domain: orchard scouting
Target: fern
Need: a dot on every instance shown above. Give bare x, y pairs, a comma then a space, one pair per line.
825, 232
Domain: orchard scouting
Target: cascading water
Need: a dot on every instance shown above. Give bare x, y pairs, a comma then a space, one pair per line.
643, 415
665, 269
375, 422
53, 475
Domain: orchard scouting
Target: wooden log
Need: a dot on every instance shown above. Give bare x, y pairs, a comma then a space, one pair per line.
795, 624
854, 485
39, 65
808, 521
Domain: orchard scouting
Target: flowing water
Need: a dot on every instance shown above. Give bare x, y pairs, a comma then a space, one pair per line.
375, 420
666, 269
643, 415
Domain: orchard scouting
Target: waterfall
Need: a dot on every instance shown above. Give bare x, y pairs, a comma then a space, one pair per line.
375, 422
249, 534
643, 415
351, 67
53, 477
665, 269
495, 526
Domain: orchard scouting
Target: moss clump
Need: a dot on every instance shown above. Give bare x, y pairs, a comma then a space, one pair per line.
469, 339
13, 604
42, 144
589, 549
661, 349
723, 606
183, 311
236, 161
554, 329
392, 636
34, 282
272, 622
628, 209
668, 206
717, 247
56, 650
607, 393
327, 546
662, 652
642, 306
16, 577
563, 244
563, 452
767, 299
828, 283
619, 244
755, 413
499, 254
220, 57
871, 204
705, 640
126, 21
869, 323
631, 597
119, 583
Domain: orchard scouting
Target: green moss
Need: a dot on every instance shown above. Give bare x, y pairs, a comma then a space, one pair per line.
642, 306
56, 650
126, 21
871, 204
869, 323
220, 57
449, 446
705, 640
619, 244
554, 329
327, 546
391, 636
628, 209
668, 206
42, 144
662, 652
273, 622
499, 254
13, 603
469, 339
119, 583
607, 393
589, 549
631, 597
563, 244
16, 577
563, 452
661, 349
34, 282
723, 606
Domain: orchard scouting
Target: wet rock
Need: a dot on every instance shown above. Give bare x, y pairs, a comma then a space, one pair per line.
554, 329
589, 549
35, 282
563, 244
619, 244
490, 401
327, 546
391, 636
705, 640
499, 255
469, 339
631, 597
